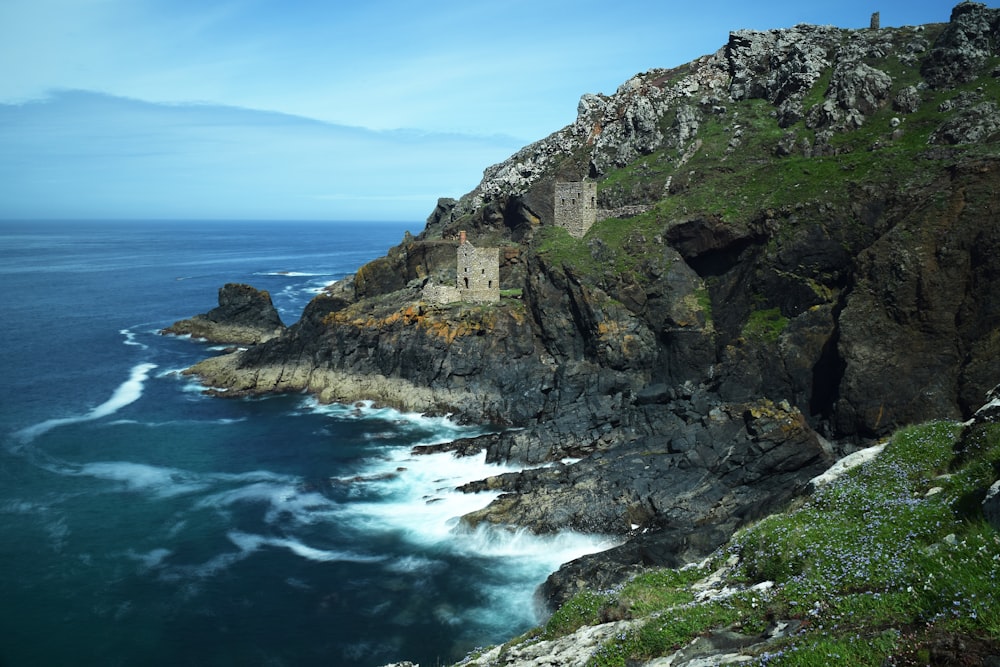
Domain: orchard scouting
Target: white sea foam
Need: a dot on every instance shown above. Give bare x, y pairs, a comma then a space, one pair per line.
151, 559
17, 506
127, 392
416, 499
130, 339
440, 429
248, 542
167, 482
284, 501
411, 564
548, 550
319, 289
421, 503
206, 570
416, 494
295, 582
159, 481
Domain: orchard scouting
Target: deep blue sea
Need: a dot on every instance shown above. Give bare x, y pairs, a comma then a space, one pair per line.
143, 523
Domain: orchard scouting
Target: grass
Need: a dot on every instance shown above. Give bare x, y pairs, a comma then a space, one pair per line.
765, 325
875, 568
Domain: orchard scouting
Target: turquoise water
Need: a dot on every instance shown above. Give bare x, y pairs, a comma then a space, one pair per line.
145, 523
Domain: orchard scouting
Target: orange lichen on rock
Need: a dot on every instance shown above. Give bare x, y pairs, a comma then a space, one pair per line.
409, 316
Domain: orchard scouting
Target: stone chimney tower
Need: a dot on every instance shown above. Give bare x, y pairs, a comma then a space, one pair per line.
461, 237
876, 21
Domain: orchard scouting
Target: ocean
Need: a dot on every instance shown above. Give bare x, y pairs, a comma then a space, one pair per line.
143, 522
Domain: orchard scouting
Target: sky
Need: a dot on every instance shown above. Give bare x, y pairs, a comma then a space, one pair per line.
324, 109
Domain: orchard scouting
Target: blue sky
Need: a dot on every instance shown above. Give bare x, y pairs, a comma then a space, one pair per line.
310, 109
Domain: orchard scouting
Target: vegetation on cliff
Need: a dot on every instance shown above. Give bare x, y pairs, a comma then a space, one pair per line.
890, 563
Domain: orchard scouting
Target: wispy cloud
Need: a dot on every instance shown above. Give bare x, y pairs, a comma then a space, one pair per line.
517, 66
85, 155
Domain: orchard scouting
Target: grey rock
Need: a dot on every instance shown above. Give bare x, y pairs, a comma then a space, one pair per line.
970, 126
778, 65
907, 100
991, 505
965, 45
572, 650
856, 90
244, 316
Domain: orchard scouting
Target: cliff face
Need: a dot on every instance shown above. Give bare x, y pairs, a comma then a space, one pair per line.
814, 254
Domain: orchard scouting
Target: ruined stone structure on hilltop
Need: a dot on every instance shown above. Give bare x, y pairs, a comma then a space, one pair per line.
477, 276
576, 206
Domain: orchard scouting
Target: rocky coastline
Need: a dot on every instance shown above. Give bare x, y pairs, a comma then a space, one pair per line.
811, 266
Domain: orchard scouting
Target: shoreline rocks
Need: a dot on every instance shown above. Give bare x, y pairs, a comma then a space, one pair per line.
226, 376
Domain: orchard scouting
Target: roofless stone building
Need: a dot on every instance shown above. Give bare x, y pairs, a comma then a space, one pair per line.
477, 276
576, 206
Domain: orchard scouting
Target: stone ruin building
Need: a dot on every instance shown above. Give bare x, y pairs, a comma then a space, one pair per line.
576, 206
477, 276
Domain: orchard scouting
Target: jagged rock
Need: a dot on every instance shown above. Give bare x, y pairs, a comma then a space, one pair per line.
921, 311
973, 125
979, 435
856, 90
678, 495
245, 316
907, 100
573, 650
965, 45
989, 413
778, 65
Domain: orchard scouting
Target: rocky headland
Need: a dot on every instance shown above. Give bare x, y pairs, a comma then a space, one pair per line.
796, 257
